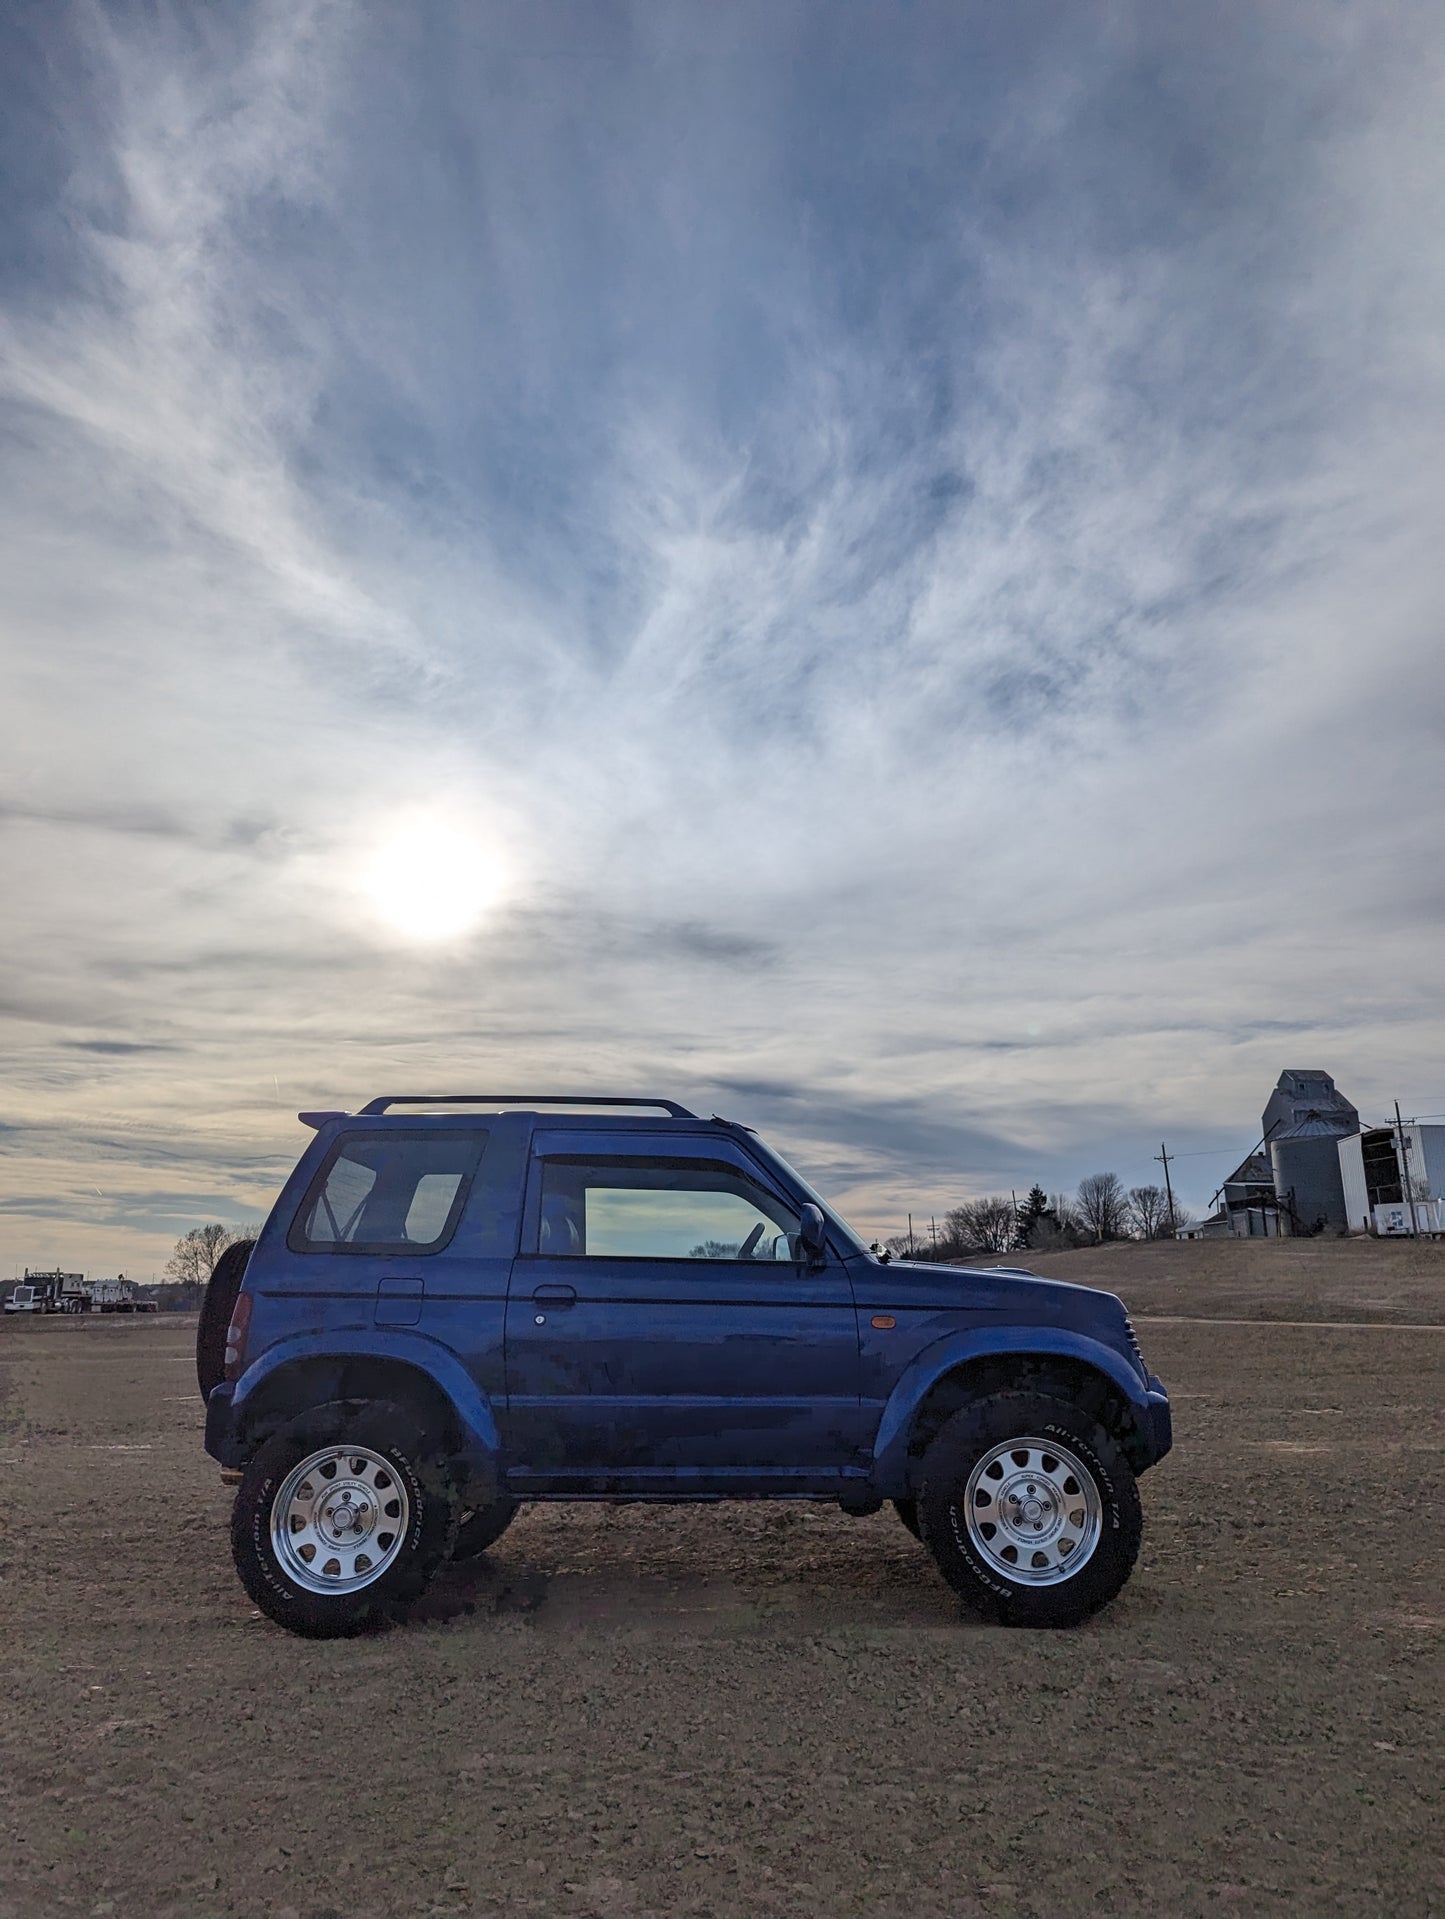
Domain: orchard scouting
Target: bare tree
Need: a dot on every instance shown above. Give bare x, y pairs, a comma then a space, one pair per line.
1148, 1212
1103, 1206
197, 1251
981, 1225
1059, 1229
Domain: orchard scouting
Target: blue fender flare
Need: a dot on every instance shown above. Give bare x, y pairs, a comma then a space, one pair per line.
481, 1442
889, 1475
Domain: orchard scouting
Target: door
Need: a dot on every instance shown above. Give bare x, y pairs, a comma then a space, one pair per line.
663, 1331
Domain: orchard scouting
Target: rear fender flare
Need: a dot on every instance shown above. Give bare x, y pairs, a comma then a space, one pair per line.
481, 1442
890, 1448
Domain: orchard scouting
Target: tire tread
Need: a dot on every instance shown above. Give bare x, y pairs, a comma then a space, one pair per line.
384, 1426
948, 1462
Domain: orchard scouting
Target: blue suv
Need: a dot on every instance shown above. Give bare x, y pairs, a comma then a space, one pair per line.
483, 1300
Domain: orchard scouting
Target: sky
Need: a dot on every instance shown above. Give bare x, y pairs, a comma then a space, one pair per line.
869, 566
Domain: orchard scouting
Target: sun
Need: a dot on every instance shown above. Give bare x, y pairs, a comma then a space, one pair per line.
431, 880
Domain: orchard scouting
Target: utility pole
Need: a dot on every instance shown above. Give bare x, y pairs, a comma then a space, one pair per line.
933, 1233
910, 1235
1406, 1183
1163, 1154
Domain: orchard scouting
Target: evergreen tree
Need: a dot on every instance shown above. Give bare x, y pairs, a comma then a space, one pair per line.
1034, 1208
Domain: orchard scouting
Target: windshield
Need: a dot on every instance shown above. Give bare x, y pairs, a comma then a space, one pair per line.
840, 1225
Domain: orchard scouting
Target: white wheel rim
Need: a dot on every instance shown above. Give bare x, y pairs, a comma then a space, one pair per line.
1033, 1512
339, 1519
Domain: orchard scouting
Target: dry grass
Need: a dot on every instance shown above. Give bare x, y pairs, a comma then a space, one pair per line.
1396, 1281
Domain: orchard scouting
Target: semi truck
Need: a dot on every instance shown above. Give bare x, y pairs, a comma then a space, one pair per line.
59, 1292
55, 1292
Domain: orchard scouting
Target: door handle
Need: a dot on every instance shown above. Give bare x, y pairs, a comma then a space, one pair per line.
555, 1296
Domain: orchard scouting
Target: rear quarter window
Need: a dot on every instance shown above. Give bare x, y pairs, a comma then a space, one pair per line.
388, 1191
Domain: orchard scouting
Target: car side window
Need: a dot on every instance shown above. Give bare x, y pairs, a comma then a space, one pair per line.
387, 1191
649, 1208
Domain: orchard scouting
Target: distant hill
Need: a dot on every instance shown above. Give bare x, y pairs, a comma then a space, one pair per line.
1390, 1280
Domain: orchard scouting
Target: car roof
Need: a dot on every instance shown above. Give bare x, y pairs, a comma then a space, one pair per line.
599, 1108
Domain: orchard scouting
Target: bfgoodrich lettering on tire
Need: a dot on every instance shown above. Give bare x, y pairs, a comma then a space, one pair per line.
342, 1517
1030, 1510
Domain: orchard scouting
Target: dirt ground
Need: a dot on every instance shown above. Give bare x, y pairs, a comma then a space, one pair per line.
771, 1710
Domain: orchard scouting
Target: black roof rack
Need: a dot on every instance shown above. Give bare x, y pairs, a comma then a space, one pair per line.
524, 1100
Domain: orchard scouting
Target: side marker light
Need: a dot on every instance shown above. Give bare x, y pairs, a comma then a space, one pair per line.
883, 1321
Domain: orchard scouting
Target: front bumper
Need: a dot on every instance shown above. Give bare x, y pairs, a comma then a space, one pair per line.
1158, 1420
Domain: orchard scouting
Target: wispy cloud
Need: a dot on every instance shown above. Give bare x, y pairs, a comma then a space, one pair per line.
917, 543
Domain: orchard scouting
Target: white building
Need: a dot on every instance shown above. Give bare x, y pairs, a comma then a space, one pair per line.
1379, 1190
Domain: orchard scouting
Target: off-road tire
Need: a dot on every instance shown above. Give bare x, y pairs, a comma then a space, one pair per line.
907, 1511
381, 1427
963, 1442
216, 1309
482, 1528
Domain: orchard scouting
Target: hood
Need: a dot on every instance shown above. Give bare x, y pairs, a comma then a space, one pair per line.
1000, 1292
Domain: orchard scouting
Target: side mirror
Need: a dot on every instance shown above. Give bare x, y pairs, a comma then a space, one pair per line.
811, 1232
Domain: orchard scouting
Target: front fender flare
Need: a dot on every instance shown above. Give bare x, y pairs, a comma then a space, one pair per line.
889, 1475
481, 1442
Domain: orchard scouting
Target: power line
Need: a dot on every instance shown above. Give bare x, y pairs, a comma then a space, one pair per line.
1220, 1152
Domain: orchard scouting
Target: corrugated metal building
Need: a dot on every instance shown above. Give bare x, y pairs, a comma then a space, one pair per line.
1377, 1194
1292, 1182
1316, 1170
1250, 1208
1304, 1121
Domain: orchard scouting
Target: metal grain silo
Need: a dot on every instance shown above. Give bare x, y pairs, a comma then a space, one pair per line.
1306, 1163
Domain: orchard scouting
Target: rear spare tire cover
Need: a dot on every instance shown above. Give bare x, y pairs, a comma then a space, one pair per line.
221, 1293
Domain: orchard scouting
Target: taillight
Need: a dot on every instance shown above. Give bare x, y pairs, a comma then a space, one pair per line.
236, 1334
